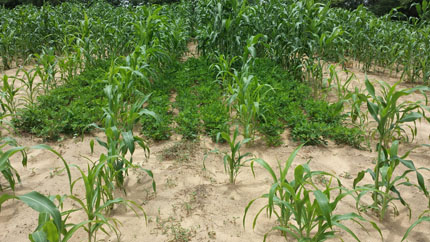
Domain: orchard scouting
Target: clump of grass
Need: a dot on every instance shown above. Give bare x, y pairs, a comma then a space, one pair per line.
182, 151
174, 230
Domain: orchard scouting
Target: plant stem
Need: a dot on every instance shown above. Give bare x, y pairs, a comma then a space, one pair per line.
378, 162
89, 232
384, 204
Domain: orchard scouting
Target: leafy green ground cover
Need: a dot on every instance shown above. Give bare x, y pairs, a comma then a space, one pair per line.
311, 121
200, 100
67, 109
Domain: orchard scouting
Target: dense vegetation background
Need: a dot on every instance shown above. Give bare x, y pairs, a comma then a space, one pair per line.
13, 3
379, 7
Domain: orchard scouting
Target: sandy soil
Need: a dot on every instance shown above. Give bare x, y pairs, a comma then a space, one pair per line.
194, 200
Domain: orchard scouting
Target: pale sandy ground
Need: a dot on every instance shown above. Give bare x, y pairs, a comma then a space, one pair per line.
195, 204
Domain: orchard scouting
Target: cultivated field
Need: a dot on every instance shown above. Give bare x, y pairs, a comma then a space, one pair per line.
164, 123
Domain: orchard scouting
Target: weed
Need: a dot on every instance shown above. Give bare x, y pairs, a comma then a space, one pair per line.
174, 230
180, 151
212, 234
195, 198
171, 183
